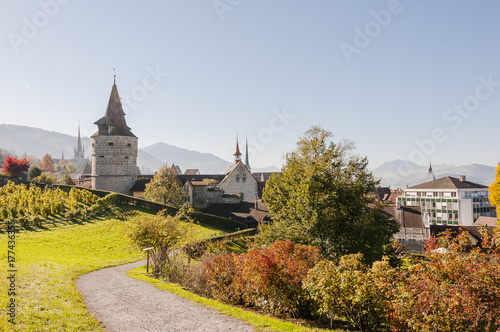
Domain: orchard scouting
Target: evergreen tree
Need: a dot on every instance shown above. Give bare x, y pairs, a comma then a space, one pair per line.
166, 188
322, 198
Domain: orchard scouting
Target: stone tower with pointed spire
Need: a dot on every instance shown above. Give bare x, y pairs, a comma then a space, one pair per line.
114, 150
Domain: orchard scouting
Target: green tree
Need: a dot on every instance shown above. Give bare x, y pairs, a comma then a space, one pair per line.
352, 290
34, 172
166, 188
46, 178
164, 234
66, 179
65, 167
321, 198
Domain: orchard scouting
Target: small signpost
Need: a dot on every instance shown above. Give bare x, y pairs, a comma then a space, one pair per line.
147, 261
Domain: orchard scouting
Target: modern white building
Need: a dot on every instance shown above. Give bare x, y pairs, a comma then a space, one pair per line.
449, 201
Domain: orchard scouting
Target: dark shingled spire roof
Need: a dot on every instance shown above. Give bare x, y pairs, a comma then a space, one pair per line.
115, 117
115, 110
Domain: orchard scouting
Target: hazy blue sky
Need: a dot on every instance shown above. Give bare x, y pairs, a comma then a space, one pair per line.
402, 79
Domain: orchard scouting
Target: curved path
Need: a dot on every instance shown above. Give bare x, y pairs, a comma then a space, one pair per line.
125, 304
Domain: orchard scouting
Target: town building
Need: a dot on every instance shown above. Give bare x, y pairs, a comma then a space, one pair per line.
238, 178
237, 184
449, 201
114, 150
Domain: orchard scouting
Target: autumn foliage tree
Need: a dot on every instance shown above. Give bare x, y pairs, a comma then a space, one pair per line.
47, 163
495, 191
14, 166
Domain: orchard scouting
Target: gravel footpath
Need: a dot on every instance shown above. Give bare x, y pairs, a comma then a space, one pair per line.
125, 304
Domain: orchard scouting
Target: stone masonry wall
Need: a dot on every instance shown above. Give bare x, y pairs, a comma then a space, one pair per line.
114, 163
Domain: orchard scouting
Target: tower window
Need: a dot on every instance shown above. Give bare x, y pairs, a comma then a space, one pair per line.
126, 157
93, 144
110, 143
101, 156
129, 145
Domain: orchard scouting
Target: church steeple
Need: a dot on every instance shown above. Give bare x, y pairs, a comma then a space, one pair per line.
430, 175
79, 141
247, 162
237, 153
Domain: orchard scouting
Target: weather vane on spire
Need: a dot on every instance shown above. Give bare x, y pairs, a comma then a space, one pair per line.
114, 76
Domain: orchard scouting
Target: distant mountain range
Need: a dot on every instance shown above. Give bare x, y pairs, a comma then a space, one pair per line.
38, 142
402, 173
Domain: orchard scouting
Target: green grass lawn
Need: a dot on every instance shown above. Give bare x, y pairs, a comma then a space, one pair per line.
48, 261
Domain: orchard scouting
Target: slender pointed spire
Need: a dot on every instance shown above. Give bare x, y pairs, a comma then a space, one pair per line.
430, 175
79, 141
237, 153
247, 162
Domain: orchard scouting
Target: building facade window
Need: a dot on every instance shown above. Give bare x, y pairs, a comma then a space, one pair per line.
237, 177
244, 177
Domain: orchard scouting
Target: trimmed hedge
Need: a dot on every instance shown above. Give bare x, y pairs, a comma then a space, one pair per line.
219, 222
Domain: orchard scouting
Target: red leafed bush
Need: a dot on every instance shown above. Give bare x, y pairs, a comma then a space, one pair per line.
14, 166
455, 291
220, 273
269, 278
